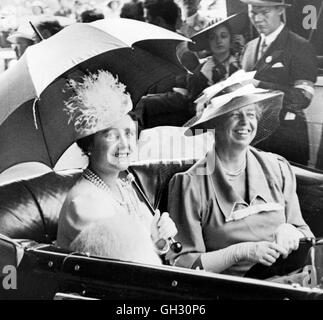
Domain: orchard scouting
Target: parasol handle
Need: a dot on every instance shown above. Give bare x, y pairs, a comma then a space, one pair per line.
36, 31
175, 245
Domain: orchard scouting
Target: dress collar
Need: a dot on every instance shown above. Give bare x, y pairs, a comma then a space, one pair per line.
257, 180
226, 196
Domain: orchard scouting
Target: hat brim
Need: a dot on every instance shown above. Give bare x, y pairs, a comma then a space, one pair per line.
270, 104
18, 35
265, 3
237, 23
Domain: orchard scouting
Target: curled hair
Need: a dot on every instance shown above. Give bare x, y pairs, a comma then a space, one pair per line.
86, 143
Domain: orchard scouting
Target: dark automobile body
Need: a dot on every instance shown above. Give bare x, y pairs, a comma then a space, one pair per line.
29, 210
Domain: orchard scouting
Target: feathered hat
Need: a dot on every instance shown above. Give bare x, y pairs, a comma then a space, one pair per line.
97, 102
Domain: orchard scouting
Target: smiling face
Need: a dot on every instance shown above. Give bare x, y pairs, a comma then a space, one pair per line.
238, 128
219, 40
113, 148
265, 19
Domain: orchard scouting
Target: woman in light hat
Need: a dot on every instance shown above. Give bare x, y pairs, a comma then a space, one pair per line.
237, 206
218, 39
21, 39
105, 132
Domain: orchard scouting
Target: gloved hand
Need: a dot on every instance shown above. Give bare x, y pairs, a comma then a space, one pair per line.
287, 236
199, 108
162, 227
207, 70
263, 252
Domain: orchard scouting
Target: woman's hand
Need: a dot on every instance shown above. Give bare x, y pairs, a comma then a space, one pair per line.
207, 69
252, 81
263, 252
199, 109
287, 236
163, 227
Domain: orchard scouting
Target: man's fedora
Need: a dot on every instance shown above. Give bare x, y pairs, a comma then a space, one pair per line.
266, 3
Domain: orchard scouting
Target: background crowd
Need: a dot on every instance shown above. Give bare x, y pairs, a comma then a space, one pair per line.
13, 13
15, 16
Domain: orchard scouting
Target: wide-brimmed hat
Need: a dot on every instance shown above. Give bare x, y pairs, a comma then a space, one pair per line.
96, 103
266, 3
38, 4
24, 31
237, 23
270, 103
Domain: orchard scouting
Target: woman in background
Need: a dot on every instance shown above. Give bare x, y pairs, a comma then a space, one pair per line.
218, 39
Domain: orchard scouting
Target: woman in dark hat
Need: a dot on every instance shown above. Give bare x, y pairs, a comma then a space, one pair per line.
237, 206
105, 132
224, 59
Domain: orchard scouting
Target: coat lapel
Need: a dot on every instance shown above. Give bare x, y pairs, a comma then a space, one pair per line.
257, 181
249, 58
273, 52
225, 194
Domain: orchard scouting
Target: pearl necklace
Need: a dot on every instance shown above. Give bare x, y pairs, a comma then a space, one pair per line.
234, 174
132, 207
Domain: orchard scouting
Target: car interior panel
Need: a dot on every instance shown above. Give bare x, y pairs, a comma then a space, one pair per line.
29, 211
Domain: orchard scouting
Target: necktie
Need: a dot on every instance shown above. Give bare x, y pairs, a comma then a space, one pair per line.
219, 72
262, 49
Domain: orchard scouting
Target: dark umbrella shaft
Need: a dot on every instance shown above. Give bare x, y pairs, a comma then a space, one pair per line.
175, 245
36, 31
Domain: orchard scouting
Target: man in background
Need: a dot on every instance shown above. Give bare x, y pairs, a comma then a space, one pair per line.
162, 13
91, 15
25, 36
287, 62
193, 21
133, 10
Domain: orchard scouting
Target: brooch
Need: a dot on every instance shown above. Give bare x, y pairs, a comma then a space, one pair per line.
269, 59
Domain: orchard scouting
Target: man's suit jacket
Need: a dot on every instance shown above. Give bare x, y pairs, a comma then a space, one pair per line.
289, 61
